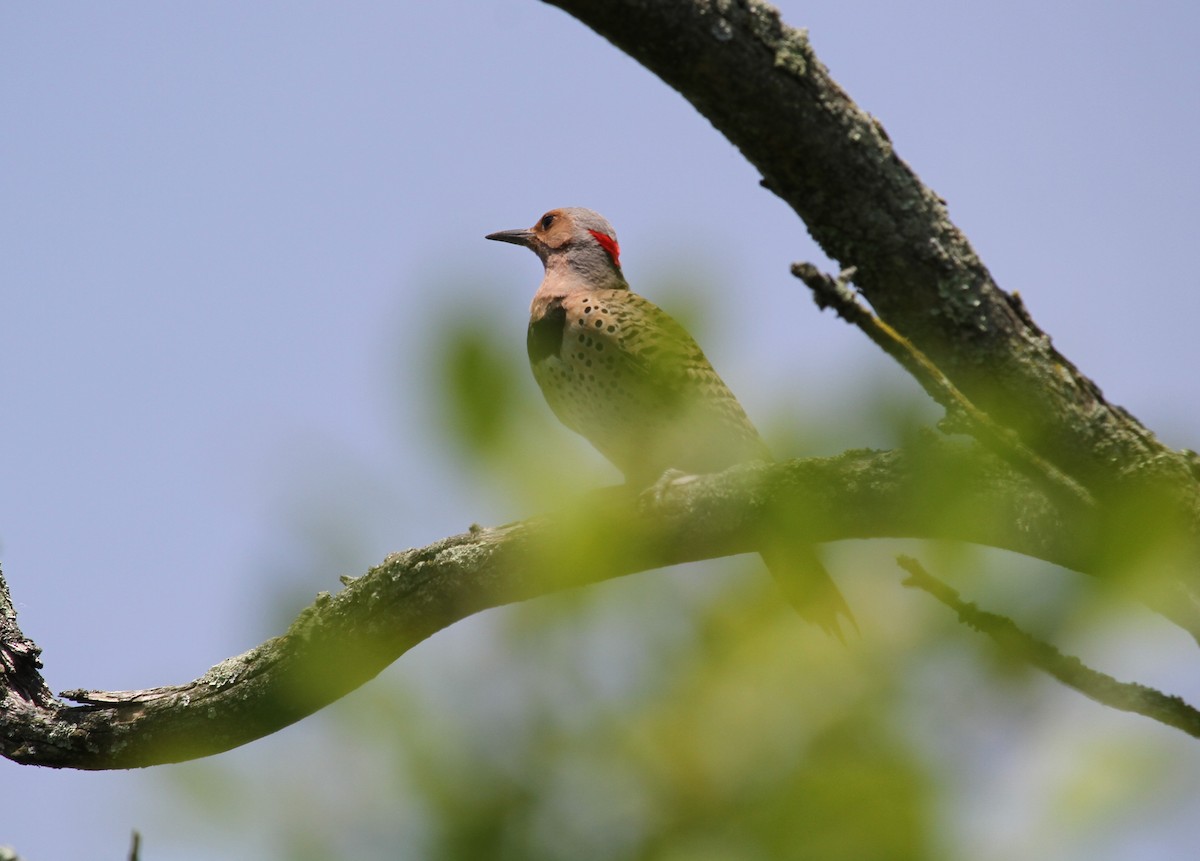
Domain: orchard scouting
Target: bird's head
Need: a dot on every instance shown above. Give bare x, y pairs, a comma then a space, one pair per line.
580, 240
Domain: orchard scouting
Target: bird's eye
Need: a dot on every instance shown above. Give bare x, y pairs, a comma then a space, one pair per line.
547, 220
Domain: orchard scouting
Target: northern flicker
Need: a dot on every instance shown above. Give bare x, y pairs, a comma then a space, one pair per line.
617, 369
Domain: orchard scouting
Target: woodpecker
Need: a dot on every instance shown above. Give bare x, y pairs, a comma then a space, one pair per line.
618, 370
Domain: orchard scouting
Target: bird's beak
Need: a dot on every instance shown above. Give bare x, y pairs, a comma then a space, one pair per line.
516, 237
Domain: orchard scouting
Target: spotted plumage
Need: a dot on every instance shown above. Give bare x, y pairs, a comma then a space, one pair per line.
633, 382
617, 369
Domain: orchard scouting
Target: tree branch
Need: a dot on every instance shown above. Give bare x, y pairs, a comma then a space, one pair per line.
961, 413
1072, 672
760, 84
934, 489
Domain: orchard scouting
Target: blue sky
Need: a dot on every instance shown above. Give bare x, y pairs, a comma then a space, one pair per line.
228, 233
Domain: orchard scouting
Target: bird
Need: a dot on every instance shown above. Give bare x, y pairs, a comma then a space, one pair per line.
621, 372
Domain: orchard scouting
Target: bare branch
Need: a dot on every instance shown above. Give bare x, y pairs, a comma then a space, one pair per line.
760, 83
964, 415
1072, 672
935, 489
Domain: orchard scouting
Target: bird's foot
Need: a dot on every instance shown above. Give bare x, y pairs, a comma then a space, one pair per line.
656, 494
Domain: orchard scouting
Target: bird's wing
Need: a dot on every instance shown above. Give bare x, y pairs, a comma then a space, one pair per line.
687, 417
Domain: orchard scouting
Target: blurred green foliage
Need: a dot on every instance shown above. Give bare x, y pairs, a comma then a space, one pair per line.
675, 716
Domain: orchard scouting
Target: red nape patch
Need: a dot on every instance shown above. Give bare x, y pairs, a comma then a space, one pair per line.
610, 245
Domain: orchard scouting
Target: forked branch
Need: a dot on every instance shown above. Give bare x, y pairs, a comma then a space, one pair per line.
760, 83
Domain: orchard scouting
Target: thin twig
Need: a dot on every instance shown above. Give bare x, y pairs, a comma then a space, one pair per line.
837, 294
1072, 672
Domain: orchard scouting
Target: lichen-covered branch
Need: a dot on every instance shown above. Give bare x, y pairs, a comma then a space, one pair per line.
962, 415
760, 83
933, 489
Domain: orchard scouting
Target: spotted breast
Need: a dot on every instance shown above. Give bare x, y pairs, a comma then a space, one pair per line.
620, 371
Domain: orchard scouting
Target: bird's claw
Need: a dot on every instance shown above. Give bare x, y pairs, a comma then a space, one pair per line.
656, 494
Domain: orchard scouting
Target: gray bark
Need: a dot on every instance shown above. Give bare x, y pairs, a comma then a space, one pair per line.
935, 489
759, 83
